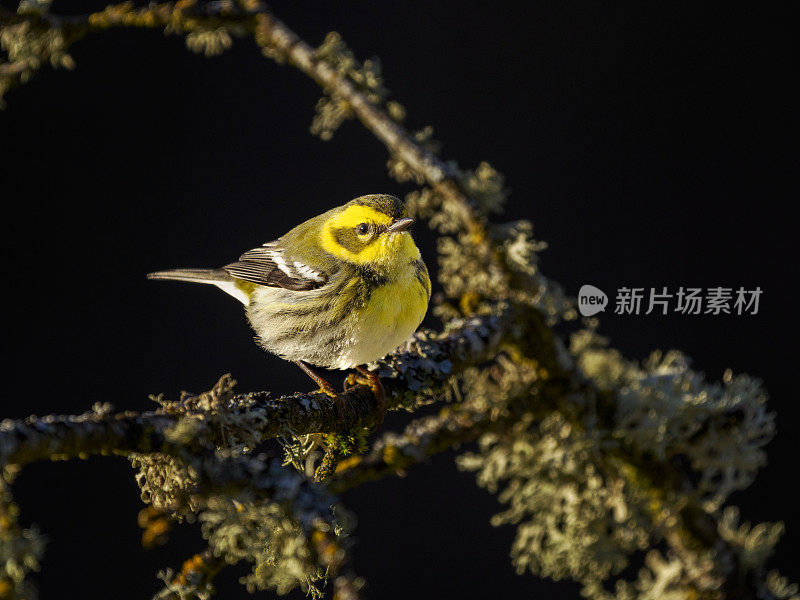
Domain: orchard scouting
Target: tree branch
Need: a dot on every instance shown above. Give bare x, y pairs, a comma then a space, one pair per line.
396, 138
269, 31
411, 377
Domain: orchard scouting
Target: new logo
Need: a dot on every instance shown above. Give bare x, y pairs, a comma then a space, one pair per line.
591, 300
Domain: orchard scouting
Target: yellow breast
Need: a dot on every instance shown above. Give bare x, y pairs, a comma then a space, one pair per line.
399, 304
392, 313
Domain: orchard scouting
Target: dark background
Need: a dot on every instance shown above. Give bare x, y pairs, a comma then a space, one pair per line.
648, 144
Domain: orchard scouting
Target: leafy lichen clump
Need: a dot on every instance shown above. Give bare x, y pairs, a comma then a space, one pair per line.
21, 549
582, 511
277, 535
332, 109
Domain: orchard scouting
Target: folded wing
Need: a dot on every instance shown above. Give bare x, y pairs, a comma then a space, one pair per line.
269, 265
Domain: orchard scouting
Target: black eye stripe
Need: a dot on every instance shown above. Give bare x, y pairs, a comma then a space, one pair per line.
347, 238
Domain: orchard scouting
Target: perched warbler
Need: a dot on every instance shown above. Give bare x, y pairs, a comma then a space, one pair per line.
342, 289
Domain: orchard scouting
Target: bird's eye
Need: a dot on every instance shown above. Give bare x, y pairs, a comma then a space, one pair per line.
362, 229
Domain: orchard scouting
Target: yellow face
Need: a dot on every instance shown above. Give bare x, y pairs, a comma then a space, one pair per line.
364, 236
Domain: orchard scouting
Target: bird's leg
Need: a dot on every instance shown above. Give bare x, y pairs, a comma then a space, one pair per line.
325, 387
373, 382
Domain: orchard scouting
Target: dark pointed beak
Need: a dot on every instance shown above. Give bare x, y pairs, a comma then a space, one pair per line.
399, 225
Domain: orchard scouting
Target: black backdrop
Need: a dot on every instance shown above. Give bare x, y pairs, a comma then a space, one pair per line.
648, 144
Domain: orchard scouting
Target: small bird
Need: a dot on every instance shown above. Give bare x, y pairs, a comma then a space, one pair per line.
342, 289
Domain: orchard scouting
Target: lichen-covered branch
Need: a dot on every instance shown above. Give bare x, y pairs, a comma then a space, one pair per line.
394, 453
274, 33
415, 375
252, 509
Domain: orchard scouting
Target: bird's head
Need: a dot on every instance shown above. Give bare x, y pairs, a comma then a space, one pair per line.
370, 231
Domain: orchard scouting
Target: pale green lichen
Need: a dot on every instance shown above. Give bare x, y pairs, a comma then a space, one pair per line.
754, 543
662, 578
210, 42
165, 482
332, 110
779, 587
21, 550
28, 47
667, 410
175, 590
275, 534
270, 522
485, 186
398, 168
263, 534
572, 519
581, 513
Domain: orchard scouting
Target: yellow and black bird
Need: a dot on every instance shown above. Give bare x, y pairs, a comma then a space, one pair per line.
338, 291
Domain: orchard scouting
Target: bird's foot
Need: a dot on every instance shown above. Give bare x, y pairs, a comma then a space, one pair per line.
338, 402
325, 387
371, 380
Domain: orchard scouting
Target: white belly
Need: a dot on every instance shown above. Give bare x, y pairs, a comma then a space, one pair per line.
370, 342
367, 332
